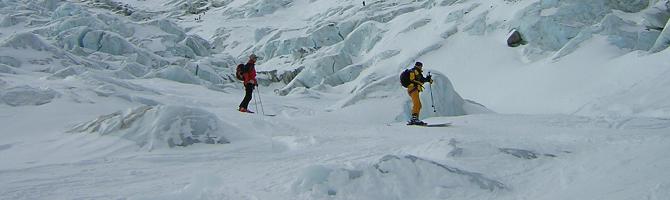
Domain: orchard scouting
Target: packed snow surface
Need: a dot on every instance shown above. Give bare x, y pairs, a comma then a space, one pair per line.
137, 99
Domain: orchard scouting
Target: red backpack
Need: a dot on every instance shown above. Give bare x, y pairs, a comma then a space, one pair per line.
239, 72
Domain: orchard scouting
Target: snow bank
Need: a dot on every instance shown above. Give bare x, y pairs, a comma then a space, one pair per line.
394, 177
27, 96
7, 69
647, 98
153, 127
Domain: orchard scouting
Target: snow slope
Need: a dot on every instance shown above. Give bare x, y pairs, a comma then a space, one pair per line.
135, 99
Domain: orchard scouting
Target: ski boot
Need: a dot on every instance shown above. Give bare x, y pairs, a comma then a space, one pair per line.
244, 110
415, 121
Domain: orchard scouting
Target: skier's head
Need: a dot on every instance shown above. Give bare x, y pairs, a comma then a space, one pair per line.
253, 57
418, 65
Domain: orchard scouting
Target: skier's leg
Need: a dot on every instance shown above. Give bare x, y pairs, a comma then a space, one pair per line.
416, 102
249, 88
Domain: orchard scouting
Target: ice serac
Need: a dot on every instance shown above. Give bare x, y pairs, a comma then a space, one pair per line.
552, 26
445, 98
663, 41
335, 65
176, 73
163, 126
199, 46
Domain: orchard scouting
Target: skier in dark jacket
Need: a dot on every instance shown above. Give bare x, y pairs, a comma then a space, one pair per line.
249, 82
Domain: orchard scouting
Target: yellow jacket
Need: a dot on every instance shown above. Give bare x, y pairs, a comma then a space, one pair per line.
416, 80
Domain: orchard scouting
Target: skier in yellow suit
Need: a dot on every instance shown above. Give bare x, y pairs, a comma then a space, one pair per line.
414, 89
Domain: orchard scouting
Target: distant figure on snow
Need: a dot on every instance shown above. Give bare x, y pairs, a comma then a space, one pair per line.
248, 75
363, 3
413, 79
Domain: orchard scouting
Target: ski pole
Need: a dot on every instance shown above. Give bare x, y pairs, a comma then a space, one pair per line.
255, 102
432, 102
260, 100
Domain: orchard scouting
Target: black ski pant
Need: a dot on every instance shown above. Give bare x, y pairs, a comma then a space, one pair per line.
249, 89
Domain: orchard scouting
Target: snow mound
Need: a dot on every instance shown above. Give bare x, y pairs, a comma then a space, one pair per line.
394, 177
7, 69
648, 98
153, 127
27, 96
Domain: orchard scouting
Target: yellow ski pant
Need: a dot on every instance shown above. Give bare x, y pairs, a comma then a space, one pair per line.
416, 101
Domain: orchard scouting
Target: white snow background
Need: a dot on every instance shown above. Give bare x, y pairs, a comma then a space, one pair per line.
136, 99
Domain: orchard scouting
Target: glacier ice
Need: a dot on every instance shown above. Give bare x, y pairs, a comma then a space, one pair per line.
27, 96
176, 73
163, 126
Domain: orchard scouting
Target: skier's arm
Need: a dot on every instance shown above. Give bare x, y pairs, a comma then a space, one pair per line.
423, 79
253, 76
414, 79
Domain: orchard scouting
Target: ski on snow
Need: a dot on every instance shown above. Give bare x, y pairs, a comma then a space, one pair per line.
427, 125
249, 112
432, 125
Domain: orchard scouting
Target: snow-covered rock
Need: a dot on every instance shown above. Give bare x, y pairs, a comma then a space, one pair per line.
155, 127
27, 96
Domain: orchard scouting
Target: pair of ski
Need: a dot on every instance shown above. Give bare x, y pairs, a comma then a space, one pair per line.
431, 125
427, 125
269, 115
